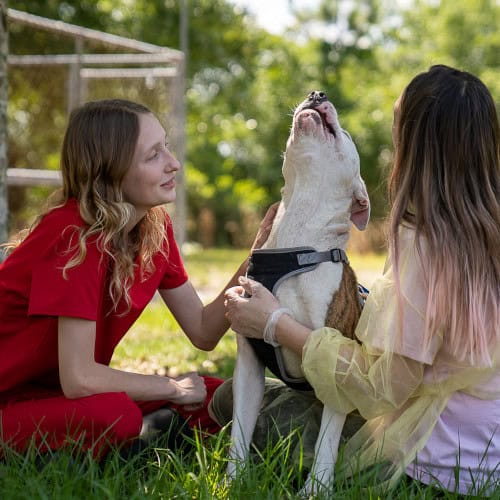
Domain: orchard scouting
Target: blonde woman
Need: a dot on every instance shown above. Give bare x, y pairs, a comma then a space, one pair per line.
72, 288
426, 375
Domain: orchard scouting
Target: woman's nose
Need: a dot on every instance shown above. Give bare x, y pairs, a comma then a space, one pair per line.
172, 162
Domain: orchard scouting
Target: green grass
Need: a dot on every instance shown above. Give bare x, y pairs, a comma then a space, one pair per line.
156, 345
199, 474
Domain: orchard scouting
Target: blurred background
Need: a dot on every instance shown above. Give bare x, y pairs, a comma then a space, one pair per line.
224, 77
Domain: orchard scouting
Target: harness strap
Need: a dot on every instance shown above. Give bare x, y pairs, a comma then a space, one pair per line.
288, 258
333, 255
271, 266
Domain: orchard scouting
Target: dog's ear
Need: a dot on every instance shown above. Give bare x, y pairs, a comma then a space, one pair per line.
360, 206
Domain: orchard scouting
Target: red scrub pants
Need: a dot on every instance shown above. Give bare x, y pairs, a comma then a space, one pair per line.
50, 421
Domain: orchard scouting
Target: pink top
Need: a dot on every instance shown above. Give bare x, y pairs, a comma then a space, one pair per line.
472, 426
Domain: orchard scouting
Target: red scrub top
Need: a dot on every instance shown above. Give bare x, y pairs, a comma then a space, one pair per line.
33, 293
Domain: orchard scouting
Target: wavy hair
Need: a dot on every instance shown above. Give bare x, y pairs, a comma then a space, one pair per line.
445, 184
97, 151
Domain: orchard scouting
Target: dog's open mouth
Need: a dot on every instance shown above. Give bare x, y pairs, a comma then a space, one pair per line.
326, 125
320, 118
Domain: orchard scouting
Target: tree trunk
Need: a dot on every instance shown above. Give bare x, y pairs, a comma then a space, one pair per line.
4, 50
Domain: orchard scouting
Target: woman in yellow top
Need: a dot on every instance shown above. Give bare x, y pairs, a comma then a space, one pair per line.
426, 375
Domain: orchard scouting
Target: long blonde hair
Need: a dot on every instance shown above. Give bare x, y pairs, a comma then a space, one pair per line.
446, 185
97, 151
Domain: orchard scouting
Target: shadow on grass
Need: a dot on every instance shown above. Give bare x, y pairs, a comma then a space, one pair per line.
199, 473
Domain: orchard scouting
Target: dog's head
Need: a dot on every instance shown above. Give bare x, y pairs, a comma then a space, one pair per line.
322, 157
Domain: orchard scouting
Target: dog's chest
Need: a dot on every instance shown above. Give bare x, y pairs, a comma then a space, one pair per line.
315, 212
308, 294
306, 288
303, 279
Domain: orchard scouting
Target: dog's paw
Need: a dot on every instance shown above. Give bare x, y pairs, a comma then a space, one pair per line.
316, 484
231, 471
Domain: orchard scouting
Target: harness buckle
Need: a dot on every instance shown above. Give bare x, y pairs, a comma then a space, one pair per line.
336, 255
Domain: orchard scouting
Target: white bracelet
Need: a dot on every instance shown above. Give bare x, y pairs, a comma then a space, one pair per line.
269, 334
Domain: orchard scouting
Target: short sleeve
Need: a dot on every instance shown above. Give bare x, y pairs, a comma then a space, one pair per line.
175, 273
76, 294
397, 324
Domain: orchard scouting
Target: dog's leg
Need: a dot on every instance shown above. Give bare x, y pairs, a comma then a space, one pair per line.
325, 452
248, 391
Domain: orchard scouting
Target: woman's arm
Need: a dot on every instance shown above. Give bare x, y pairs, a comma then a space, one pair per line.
203, 324
248, 308
81, 376
343, 373
206, 324
349, 375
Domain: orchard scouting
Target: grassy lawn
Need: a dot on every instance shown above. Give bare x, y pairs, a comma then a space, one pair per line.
156, 345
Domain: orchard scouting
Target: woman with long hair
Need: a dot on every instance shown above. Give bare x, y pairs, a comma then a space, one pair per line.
75, 283
425, 373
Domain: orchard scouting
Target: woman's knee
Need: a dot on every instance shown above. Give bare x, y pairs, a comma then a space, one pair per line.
220, 407
108, 417
115, 415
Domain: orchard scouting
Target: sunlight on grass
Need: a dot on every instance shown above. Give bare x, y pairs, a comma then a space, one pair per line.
156, 344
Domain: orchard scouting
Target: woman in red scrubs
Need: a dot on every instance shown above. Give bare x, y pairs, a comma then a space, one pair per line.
71, 289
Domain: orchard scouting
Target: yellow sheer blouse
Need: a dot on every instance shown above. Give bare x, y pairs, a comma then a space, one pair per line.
396, 382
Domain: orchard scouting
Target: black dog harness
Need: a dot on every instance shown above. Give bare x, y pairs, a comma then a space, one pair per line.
271, 267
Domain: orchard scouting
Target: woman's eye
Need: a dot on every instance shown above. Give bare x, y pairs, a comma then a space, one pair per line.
153, 155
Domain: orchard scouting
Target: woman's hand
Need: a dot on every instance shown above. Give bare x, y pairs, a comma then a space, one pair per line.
248, 315
265, 226
190, 390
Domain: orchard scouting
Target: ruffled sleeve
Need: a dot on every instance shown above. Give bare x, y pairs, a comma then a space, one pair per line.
347, 375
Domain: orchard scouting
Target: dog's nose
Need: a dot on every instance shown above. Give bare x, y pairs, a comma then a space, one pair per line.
317, 97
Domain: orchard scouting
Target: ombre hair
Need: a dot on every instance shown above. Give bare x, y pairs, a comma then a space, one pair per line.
97, 151
445, 184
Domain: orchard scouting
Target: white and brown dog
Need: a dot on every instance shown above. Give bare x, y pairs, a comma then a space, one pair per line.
303, 262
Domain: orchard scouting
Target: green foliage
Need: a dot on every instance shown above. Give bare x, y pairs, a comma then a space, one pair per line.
451, 23
243, 83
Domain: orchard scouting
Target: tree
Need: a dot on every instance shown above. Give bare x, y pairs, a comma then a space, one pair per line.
238, 104
224, 60
460, 33
243, 83
4, 48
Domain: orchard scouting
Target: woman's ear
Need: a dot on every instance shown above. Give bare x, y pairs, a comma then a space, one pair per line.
360, 206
